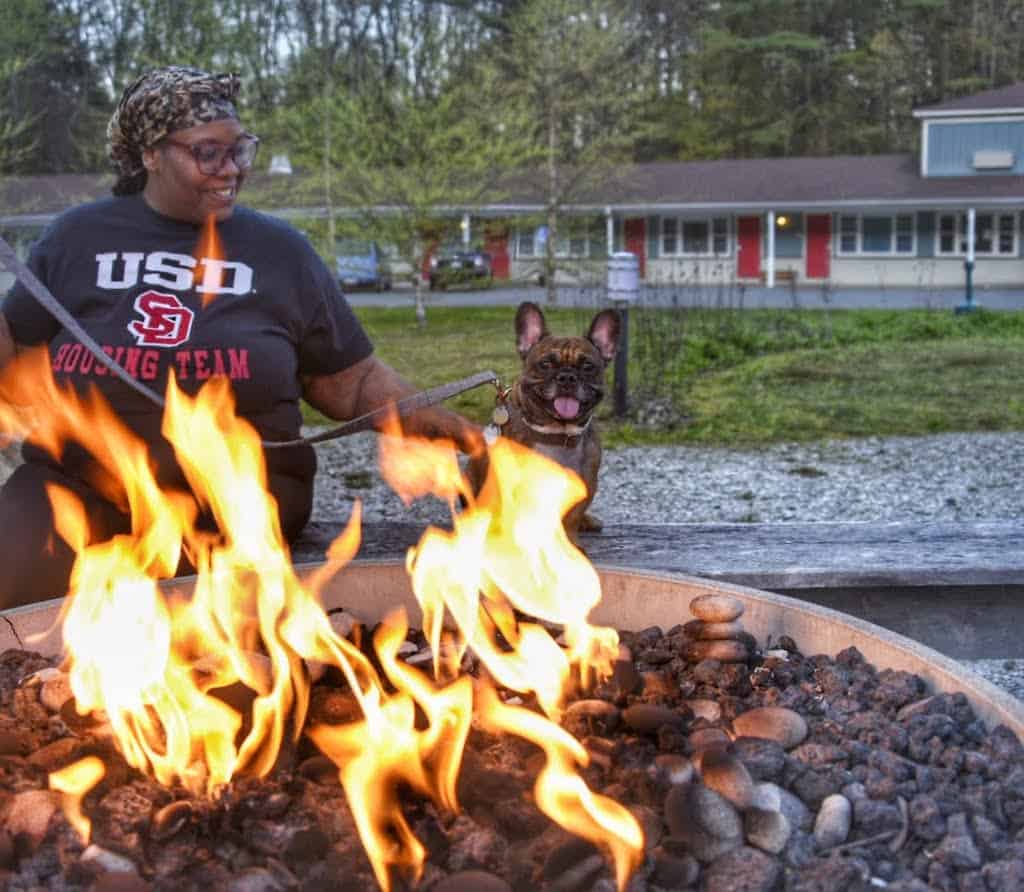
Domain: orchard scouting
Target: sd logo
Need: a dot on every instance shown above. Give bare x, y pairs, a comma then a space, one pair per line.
166, 321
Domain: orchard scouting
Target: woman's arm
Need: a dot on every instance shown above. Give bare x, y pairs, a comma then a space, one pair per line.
370, 384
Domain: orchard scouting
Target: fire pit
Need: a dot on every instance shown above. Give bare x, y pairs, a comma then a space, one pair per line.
960, 841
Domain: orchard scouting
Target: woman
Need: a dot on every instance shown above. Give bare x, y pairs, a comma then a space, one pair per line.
269, 315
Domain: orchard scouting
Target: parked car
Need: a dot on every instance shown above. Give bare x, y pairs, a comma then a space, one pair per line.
459, 265
362, 264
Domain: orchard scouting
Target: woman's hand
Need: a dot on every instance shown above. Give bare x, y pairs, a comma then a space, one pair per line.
370, 384
7, 348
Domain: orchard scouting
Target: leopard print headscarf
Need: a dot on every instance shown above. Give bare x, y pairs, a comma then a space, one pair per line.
158, 103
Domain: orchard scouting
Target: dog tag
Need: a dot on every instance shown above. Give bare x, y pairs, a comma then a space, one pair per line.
500, 415
491, 434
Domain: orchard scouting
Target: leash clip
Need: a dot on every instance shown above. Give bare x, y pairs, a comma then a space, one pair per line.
499, 415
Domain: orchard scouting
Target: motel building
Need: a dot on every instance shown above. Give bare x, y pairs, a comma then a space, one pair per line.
938, 221
900, 221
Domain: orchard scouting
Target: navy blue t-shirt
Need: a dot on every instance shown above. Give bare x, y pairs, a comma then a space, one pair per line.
136, 281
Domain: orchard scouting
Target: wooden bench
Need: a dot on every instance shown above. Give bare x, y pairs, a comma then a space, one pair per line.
957, 587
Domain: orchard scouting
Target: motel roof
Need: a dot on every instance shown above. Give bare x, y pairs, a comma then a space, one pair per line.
1006, 100
834, 182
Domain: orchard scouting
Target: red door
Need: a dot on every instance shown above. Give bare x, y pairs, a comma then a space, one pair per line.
748, 234
497, 247
634, 234
819, 244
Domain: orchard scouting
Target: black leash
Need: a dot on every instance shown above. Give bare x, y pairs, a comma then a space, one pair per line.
401, 409
42, 294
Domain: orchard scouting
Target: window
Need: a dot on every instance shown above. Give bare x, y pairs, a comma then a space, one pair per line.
526, 243
581, 237
720, 235
705, 237
577, 237
669, 235
876, 234
995, 235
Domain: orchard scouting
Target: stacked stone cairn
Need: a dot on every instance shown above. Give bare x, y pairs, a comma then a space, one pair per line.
714, 805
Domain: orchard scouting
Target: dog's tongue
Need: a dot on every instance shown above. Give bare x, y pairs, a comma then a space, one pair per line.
567, 407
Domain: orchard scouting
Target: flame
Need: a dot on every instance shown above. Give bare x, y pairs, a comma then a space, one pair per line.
210, 258
74, 781
560, 791
502, 583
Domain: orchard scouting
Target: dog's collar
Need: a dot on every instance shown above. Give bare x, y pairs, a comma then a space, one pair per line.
559, 430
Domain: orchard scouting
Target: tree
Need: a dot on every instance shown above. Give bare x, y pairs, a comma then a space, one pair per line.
573, 69
403, 167
51, 103
17, 142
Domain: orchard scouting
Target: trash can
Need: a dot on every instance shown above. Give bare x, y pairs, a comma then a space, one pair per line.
623, 277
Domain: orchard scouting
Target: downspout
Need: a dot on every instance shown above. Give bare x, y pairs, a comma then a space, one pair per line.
609, 228
770, 271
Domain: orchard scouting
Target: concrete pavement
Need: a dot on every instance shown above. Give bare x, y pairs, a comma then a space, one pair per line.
727, 297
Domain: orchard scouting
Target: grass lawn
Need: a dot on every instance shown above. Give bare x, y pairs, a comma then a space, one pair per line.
742, 377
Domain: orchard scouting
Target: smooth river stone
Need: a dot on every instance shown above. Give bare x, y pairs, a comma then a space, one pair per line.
648, 718
716, 608
107, 861
777, 723
703, 631
55, 692
675, 768
695, 804
594, 709
728, 776
791, 805
768, 830
705, 739
705, 821
832, 825
723, 651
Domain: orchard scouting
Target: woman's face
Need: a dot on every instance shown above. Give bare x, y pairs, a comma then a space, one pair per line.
175, 185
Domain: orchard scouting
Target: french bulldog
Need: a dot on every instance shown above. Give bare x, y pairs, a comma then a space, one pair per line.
550, 406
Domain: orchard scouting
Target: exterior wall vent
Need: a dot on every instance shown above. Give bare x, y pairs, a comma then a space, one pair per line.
993, 159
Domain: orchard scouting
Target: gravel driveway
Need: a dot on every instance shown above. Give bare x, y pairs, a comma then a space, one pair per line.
945, 477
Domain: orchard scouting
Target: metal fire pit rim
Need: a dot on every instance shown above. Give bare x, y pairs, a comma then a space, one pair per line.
632, 599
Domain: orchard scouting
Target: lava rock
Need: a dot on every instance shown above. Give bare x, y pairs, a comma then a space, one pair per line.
120, 882
709, 710
744, 869
764, 759
472, 881
28, 814
674, 871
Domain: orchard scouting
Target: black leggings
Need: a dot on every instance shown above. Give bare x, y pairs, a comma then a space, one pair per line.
35, 562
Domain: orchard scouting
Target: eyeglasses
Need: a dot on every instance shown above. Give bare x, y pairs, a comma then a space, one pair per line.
210, 155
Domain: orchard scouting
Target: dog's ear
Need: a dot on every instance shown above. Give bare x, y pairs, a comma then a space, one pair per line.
530, 327
604, 333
